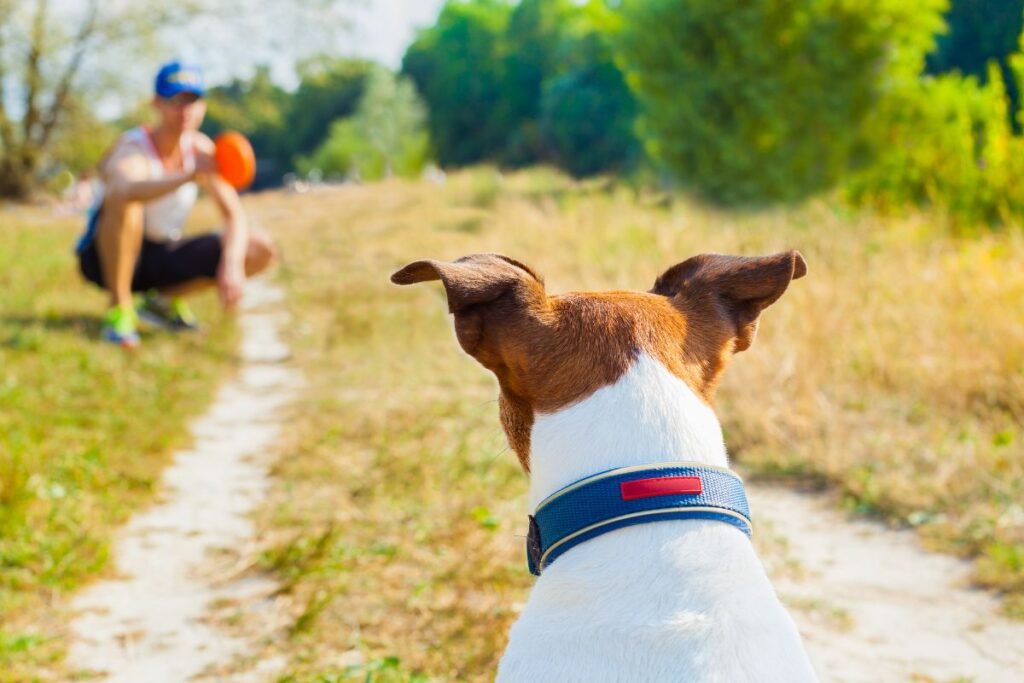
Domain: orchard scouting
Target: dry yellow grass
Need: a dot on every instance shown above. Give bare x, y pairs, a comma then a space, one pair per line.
895, 370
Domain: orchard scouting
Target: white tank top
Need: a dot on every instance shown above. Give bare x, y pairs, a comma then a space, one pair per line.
165, 217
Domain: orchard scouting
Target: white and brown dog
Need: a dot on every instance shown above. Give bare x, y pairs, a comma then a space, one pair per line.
640, 532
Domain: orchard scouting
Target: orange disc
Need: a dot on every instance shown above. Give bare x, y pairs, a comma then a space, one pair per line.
236, 161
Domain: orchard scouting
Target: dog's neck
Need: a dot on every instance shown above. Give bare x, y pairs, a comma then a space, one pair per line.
648, 416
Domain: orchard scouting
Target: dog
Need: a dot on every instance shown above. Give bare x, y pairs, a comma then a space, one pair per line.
640, 530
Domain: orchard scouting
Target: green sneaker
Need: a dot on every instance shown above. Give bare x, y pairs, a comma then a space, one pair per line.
120, 326
167, 314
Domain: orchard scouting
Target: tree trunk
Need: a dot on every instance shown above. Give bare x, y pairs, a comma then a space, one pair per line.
16, 181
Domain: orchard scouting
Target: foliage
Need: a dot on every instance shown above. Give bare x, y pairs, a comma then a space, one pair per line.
979, 31
57, 59
535, 83
330, 88
392, 119
947, 142
284, 127
456, 67
386, 135
534, 43
81, 140
42, 51
256, 107
753, 101
341, 154
587, 112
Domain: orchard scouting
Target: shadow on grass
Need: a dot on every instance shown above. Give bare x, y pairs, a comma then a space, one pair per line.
24, 332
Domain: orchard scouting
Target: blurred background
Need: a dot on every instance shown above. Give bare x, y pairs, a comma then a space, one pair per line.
893, 104
598, 141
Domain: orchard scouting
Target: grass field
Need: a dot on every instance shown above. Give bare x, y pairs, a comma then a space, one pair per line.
85, 429
894, 372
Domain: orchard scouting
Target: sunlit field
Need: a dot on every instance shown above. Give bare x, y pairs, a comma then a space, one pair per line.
85, 428
893, 373
374, 529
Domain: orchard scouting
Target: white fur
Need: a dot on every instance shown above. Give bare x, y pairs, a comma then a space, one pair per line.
668, 601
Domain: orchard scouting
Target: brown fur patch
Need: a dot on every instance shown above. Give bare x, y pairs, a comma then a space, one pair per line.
549, 352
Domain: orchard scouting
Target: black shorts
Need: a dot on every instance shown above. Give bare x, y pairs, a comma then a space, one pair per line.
161, 264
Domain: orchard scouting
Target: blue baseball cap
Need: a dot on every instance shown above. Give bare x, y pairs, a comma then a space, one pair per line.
177, 77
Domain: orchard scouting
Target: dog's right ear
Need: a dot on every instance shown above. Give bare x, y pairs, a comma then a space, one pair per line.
476, 284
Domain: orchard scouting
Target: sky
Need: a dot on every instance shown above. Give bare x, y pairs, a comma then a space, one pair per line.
386, 28
379, 30
277, 35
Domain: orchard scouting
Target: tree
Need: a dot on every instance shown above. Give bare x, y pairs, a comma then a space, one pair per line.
750, 101
50, 63
330, 88
456, 67
51, 53
256, 107
391, 117
284, 127
534, 45
386, 136
81, 140
534, 82
587, 113
979, 31
946, 141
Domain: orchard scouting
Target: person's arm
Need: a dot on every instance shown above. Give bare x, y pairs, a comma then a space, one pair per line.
231, 272
145, 190
126, 177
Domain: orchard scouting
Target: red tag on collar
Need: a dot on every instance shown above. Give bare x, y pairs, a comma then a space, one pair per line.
660, 486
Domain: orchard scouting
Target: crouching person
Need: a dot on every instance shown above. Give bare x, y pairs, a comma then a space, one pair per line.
134, 240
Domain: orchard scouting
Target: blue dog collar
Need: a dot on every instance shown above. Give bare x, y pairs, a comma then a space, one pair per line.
633, 495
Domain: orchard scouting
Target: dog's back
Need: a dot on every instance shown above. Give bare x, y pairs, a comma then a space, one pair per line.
673, 601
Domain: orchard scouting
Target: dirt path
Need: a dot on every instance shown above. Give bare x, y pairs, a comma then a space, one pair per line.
874, 606
150, 624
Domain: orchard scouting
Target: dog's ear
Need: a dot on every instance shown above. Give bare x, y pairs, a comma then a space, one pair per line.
474, 283
735, 288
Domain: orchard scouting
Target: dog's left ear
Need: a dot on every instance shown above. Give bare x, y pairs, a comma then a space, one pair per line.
735, 288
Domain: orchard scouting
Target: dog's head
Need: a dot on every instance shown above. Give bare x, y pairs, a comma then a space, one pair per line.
549, 352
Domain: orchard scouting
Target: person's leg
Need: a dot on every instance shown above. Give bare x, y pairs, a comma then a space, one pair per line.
180, 269
260, 254
186, 288
118, 241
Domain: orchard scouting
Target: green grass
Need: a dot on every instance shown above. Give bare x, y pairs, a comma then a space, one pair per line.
894, 372
85, 429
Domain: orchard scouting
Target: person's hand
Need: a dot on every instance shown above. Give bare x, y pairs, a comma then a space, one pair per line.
206, 166
230, 282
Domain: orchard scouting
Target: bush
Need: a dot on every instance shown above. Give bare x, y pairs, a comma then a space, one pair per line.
948, 143
385, 137
587, 113
457, 69
751, 101
525, 84
587, 118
